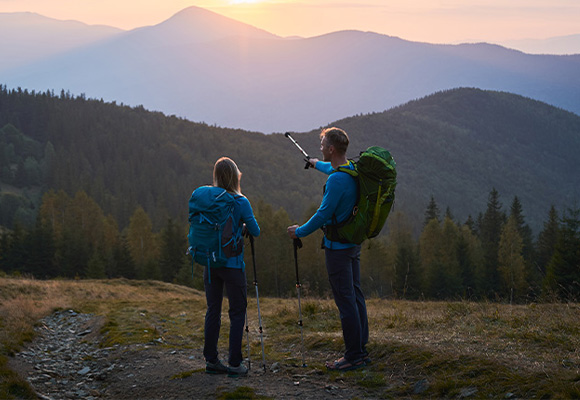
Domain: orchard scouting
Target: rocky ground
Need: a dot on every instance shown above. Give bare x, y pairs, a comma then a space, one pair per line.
66, 362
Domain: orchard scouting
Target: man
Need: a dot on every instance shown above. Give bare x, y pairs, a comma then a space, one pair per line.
342, 259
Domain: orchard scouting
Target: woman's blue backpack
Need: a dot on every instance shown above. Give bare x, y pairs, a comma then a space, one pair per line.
213, 235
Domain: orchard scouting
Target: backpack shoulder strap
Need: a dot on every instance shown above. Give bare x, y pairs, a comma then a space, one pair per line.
352, 172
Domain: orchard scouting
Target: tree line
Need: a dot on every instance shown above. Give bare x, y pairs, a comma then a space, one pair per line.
493, 256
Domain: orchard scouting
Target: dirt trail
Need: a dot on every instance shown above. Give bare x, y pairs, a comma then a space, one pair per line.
65, 362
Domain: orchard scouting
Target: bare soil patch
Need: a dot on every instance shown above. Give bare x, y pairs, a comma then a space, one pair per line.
65, 362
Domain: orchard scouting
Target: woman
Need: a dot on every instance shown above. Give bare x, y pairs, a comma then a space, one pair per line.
226, 175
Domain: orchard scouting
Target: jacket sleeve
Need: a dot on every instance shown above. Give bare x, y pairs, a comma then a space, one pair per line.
325, 167
248, 217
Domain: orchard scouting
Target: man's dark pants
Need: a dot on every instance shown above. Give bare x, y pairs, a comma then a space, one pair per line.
343, 268
234, 280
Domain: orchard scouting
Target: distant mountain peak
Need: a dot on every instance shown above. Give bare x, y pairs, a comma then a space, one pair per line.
197, 22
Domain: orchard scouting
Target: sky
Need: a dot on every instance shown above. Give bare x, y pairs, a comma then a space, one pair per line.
432, 21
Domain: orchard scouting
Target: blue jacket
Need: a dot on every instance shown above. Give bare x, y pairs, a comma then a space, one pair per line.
340, 197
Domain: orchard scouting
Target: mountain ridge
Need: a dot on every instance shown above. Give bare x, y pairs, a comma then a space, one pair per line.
270, 84
27, 37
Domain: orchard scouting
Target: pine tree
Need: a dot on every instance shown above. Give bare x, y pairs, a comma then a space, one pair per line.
374, 273
172, 257
564, 267
403, 265
471, 224
124, 265
547, 240
430, 252
432, 212
449, 214
451, 271
469, 259
274, 252
525, 232
511, 263
96, 267
41, 251
407, 282
142, 242
73, 253
490, 232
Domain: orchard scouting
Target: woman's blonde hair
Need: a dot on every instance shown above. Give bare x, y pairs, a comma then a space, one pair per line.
227, 175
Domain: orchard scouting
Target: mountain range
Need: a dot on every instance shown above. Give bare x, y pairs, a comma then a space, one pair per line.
209, 68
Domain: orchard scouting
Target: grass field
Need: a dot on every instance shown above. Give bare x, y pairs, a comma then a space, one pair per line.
419, 349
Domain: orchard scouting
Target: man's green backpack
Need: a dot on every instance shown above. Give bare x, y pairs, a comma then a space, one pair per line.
376, 176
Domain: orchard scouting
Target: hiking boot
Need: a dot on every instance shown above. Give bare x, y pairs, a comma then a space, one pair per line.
215, 368
240, 370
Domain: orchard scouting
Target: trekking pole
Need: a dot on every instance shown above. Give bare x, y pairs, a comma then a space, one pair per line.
258, 300
298, 245
248, 337
308, 165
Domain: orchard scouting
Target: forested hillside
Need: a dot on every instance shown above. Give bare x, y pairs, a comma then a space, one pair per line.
95, 189
124, 157
458, 145
454, 145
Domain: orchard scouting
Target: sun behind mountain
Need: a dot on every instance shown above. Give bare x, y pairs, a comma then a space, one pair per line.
233, 2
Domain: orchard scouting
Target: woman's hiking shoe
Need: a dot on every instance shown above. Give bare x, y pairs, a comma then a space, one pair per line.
240, 370
344, 365
215, 368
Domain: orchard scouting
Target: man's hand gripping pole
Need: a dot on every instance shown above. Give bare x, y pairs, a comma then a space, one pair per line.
307, 159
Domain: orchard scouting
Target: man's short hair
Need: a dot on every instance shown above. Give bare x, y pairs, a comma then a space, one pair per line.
336, 137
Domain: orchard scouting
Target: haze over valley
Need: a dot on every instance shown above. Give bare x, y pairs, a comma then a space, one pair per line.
208, 68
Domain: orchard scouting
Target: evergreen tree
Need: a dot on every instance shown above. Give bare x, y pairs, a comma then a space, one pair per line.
14, 253
407, 282
375, 276
96, 267
403, 262
41, 251
313, 275
490, 232
469, 258
123, 266
525, 232
430, 252
172, 257
449, 214
432, 212
470, 223
152, 271
142, 243
564, 269
274, 252
452, 274
547, 240
72, 254
511, 263
106, 246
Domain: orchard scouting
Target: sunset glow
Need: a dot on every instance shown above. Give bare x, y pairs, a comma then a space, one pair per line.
233, 2
451, 21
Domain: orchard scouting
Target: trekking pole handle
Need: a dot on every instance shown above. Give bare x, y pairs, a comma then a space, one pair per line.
307, 159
